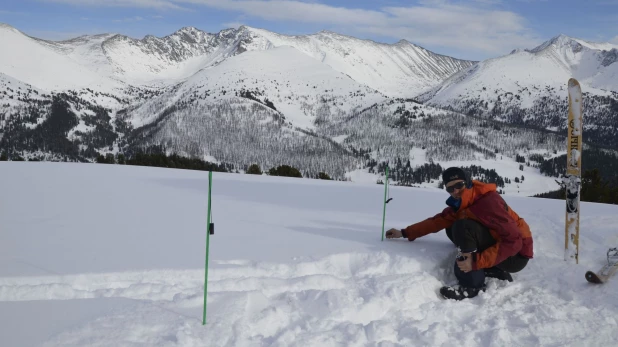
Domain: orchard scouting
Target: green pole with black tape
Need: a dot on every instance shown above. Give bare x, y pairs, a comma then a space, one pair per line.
209, 230
385, 202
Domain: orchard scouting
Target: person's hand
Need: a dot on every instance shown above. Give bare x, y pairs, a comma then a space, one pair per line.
466, 264
393, 233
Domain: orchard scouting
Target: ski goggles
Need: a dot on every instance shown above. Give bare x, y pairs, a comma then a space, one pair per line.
455, 186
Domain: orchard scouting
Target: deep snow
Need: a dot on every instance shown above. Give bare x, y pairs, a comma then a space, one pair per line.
105, 255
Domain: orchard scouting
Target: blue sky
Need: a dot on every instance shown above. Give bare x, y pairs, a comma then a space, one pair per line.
468, 29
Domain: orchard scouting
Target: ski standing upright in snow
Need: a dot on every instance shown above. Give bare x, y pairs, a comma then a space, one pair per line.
572, 179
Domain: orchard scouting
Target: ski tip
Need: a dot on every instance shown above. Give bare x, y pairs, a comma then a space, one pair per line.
573, 82
592, 277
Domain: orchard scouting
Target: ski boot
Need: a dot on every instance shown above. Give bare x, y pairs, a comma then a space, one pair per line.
495, 272
459, 292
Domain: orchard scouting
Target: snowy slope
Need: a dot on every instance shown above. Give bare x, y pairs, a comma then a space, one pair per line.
533, 74
169, 59
12, 90
529, 88
561, 41
295, 83
43, 65
398, 131
18, 99
160, 61
401, 70
104, 255
88, 50
591, 63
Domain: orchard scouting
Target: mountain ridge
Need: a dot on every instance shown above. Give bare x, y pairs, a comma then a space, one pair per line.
399, 69
323, 102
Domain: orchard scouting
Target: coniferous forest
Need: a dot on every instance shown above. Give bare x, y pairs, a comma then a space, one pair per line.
409, 137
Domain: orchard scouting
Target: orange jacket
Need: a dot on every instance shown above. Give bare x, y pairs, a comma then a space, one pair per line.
483, 204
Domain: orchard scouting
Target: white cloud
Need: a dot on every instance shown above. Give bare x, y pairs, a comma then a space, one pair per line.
129, 20
60, 35
461, 27
296, 11
12, 12
472, 26
233, 24
156, 4
614, 40
433, 22
489, 2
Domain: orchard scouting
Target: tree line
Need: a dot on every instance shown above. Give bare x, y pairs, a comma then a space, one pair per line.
600, 124
404, 175
605, 161
156, 157
593, 189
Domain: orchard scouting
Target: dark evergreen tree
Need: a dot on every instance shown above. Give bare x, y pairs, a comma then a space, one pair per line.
254, 169
323, 176
285, 170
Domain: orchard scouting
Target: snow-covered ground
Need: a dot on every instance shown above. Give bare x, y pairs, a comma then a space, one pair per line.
103, 255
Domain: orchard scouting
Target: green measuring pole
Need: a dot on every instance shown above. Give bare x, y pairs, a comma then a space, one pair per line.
384, 210
208, 230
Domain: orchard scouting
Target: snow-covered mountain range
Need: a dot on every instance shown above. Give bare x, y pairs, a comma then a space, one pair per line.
320, 102
549, 65
528, 87
401, 69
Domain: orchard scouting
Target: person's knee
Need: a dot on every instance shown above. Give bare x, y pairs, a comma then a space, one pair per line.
514, 264
470, 234
462, 230
449, 234
460, 224
468, 224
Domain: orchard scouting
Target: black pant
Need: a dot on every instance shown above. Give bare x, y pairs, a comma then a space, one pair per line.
471, 236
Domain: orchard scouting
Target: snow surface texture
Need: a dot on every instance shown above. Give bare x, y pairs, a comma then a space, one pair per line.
104, 255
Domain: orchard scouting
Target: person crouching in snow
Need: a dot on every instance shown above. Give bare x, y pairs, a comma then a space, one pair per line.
493, 241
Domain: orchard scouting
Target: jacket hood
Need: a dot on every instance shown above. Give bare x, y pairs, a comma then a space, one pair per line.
471, 194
